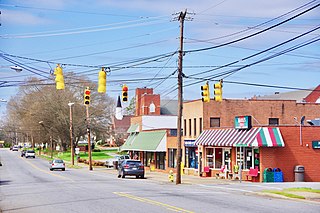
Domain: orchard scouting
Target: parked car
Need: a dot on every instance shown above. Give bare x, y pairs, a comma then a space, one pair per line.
122, 158
57, 164
30, 153
131, 168
15, 148
23, 153
110, 162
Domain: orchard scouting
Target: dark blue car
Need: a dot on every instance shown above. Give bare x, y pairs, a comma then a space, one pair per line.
131, 168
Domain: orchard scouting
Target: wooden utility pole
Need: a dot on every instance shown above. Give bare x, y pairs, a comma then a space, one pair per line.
89, 139
180, 98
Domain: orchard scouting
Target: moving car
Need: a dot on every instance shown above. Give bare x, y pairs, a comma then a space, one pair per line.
15, 148
57, 164
131, 168
30, 153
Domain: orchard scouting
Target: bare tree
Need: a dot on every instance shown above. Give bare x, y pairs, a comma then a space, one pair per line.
39, 101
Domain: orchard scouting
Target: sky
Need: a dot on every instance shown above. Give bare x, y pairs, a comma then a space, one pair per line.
256, 47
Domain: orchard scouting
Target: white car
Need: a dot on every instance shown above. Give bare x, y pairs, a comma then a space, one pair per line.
30, 153
57, 164
15, 148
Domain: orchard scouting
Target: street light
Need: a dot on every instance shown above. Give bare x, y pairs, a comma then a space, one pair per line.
71, 140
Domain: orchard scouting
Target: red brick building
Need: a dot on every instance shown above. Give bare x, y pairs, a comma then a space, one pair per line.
152, 134
211, 141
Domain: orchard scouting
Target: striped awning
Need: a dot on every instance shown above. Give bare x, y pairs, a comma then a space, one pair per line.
261, 136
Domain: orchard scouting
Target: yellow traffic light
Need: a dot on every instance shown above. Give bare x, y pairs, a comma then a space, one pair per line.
218, 91
124, 93
102, 81
59, 77
205, 93
86, 96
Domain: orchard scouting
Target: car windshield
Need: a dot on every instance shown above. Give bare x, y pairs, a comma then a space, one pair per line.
130, 162
58, 161
30, 151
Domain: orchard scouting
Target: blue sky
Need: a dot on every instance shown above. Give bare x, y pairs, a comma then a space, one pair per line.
85, 35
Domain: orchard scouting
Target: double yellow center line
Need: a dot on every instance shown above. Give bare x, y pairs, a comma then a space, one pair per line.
152, 202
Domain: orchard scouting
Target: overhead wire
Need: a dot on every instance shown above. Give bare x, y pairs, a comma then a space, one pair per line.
260, 52
230, 72
263, 23
254, 34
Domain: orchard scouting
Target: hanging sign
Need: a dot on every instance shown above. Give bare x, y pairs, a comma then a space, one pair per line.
242, 122
316, 144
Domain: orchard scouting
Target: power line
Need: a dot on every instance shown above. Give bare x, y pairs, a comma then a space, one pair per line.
254, 34
259, 53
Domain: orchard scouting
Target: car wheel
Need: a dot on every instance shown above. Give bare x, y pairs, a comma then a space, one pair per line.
34, 157
122, 174
63, 169
26, 156
137, 176
51, 169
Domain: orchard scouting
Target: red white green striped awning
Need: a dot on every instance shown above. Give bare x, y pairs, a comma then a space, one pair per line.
257, 137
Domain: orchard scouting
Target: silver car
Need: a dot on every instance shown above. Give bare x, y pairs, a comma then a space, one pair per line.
57, 164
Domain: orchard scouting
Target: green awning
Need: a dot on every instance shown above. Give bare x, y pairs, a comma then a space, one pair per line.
154, 141
133, 128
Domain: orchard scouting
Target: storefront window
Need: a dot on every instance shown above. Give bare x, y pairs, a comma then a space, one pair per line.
218, 157
160, 160
148, 158
209, 157
248, 156
172, 158
191, 158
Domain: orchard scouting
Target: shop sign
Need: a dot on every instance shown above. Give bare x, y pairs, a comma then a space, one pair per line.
316, 144
242, 122
190, 143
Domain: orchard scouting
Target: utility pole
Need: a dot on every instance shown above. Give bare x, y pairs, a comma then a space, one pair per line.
89, 142
180, 98
71, 138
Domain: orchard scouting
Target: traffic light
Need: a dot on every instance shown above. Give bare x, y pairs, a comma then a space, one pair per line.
124, 93
59, 77
86, 96
102, 81
205, 93
218, 91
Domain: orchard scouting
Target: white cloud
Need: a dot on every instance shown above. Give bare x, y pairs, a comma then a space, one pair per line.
10, 17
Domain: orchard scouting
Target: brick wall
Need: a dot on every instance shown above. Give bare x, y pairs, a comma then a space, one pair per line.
293, 153
144, 97
260, 110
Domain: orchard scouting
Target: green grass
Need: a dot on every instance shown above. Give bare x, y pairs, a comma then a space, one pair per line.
286, 192
303, 189
66, 156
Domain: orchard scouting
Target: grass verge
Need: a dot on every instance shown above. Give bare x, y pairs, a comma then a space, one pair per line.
290, 192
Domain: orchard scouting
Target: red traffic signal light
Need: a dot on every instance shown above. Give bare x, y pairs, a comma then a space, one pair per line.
86, 97
124, 93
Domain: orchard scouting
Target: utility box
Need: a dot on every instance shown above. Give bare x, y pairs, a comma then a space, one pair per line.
299, 173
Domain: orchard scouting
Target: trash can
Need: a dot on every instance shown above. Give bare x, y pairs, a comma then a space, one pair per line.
278, 175
299, 173
268, 175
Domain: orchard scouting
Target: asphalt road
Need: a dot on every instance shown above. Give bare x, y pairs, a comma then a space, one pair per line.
27, 185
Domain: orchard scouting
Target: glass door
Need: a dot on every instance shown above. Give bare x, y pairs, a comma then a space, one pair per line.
226, 158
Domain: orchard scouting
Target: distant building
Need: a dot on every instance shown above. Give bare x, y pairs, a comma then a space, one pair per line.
153, 131
300, 96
